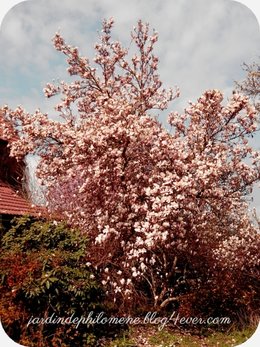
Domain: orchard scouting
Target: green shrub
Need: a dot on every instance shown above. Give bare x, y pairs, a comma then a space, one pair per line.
44, 272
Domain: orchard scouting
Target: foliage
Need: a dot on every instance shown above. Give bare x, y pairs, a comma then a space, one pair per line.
44, 272
164, 211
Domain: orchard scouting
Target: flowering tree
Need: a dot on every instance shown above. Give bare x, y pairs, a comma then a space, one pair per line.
251, 84
156, 204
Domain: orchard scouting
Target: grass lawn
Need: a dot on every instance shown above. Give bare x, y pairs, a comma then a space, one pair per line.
151, 337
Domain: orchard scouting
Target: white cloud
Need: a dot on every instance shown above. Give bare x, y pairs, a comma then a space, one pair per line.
202, 43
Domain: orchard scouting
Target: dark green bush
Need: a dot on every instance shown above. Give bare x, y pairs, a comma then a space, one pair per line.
44, 272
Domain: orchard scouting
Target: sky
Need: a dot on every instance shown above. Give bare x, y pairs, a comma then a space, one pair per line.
202, 45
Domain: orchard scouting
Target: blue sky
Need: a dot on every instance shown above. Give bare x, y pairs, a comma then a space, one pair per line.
202, 44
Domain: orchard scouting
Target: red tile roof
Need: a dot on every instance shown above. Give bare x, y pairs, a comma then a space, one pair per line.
10, 202
14, 204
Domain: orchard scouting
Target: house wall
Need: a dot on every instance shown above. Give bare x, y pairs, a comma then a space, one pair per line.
11, 171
